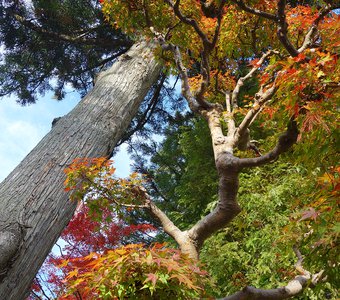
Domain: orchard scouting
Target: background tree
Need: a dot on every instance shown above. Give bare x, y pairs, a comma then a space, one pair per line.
41, 42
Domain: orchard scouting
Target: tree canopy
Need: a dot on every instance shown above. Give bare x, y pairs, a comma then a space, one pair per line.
259, 204
249, 71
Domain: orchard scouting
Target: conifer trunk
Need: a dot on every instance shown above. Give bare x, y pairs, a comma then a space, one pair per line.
34, 208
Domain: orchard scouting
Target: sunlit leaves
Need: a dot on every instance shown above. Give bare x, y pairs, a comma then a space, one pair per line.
300, 20
81, 240
315, 225
136, 271
312, 76
93, 180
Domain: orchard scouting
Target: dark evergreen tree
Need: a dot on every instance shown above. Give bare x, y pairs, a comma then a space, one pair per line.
48, 44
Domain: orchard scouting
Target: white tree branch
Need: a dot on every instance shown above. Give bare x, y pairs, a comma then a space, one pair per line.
293, 287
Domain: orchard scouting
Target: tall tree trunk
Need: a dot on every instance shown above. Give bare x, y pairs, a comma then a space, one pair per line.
34, 208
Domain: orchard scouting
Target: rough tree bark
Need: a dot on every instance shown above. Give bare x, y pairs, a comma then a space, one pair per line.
34, 208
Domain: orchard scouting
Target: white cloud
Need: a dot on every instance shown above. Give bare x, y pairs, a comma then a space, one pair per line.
23, 127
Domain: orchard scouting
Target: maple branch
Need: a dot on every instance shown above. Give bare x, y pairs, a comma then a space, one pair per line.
285, 141
255, 11
205, 72
168, 226
195, 102
261, 98
250, 74
181, 237
293, 287
309, 37
282, 29
110, 196
207, 47
227, 207
186, 20
192, 102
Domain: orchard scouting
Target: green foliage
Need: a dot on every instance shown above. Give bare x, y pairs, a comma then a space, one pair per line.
183, 171
257, 248
248, 248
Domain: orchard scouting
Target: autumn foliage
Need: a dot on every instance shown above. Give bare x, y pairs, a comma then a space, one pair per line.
135, 271
98, 258
248, 69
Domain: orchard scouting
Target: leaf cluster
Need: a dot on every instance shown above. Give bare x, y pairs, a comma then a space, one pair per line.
137, 272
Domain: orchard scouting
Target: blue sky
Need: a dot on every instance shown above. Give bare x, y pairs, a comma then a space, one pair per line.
22, 127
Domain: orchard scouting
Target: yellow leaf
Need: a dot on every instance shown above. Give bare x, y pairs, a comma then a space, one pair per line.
64, 263
320, 74
73, 273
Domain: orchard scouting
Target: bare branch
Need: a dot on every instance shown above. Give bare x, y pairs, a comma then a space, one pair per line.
282, 29
261, 99
186, 20
168, 226
255, 11
195, 103
205, 81
285, 142
250, 74
47, 286
207, 47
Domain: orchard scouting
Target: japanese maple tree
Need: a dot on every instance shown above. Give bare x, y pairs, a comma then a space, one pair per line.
243, 66
87, 233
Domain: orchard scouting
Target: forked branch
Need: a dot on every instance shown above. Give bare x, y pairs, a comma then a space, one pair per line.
285, 142
293, 288
254, 11
249, 75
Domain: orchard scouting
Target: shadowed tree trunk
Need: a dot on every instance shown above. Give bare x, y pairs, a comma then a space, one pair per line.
34, 208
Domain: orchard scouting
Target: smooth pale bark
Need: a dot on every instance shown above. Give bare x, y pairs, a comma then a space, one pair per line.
34, 208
